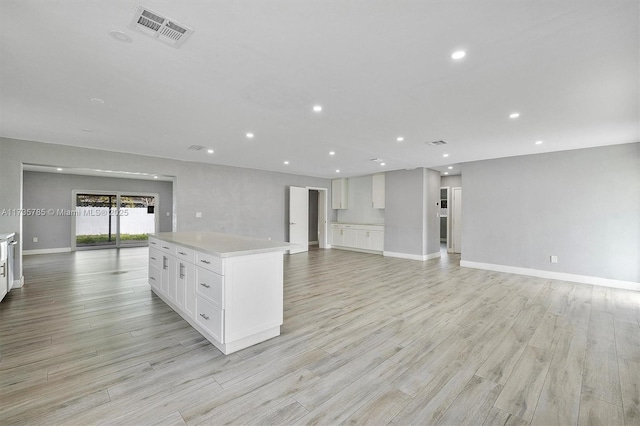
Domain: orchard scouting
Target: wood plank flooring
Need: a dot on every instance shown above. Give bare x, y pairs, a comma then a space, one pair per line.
365, 340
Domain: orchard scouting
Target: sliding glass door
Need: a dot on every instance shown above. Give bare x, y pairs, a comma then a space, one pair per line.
104, 220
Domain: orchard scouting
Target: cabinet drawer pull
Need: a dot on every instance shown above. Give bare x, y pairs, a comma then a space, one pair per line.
181, 271
205, 261
205, 316
182, 253
151, 278
167, 248
153, 258
153, 242
165, 261
205, 285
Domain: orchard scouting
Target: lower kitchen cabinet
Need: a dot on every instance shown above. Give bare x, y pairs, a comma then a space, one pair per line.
369, 238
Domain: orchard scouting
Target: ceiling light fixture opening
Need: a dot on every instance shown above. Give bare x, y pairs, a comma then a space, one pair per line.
538, 142
249, 135
317, 108
120, 36
332, 153
399, 139
514, 115
458, 54
445, 155
286, 163
210, 151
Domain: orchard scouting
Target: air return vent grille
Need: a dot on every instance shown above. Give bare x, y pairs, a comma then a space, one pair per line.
157, 26
436, 143
196, 147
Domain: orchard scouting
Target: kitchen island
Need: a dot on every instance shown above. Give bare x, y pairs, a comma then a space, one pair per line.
229, 288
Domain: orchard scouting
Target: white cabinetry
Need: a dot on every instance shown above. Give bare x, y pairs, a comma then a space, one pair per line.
361, 237
339, 193
234, 302
377, 191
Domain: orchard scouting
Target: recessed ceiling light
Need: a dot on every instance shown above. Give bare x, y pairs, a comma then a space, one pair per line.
210, 151
155, 177
445, 155
317, 108
250, 135
514, 115
286, 163
120, 36
338, 171
538, 142
446, 173
383, 164
59, 169
332, 153
458, 54
97, 100
399, 139
450, 167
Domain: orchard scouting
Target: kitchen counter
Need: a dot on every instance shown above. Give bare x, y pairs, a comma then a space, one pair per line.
222, 245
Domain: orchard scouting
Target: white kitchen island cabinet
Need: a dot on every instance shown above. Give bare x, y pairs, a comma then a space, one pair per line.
227, 287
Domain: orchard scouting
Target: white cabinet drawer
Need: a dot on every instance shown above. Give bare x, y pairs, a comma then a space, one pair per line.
210, 317
210, 285
210, 262
154, 277
154, 243
155, 258
167, 247
185, 254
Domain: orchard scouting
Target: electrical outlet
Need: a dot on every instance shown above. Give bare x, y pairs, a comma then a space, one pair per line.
553, 259
198, 214
35, 239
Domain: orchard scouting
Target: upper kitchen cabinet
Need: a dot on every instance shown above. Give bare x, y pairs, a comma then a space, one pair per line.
377, 191
339, 193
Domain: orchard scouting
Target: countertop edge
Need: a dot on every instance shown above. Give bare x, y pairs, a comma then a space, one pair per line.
224, 254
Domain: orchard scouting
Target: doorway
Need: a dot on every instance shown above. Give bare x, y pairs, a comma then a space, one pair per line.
112, 219
301, 228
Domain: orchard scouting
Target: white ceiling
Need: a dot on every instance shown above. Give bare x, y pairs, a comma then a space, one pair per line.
380, 69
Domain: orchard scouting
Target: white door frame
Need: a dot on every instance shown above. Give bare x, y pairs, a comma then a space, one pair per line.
118, 194
456, 219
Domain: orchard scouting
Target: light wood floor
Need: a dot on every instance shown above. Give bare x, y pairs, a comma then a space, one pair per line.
366, 339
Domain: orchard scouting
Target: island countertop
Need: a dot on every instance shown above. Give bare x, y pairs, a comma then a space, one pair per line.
222, 245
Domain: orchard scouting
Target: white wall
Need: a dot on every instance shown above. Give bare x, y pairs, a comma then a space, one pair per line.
582, 206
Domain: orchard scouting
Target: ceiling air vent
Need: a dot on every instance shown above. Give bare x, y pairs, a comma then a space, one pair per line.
377, 160
196, 147
435, 143
157, 26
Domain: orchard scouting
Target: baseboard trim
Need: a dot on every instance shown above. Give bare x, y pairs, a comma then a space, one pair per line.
46, 251
411, 256
583, 279
17, 283
356, 249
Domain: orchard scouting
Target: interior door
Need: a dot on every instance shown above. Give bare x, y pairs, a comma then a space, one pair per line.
299, 219
456, 211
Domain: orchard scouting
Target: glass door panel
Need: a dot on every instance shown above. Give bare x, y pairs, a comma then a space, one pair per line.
96, 220
137, 219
